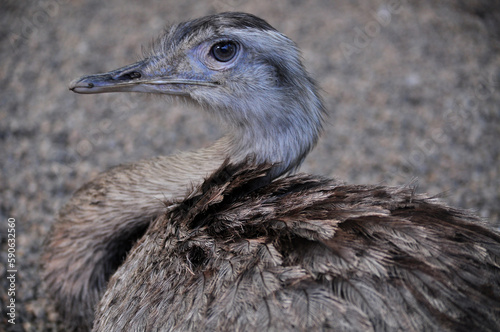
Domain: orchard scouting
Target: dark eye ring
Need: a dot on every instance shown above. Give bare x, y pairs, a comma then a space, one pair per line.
224, 51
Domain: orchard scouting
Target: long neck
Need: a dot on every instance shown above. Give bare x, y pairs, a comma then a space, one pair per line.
106, 216
168, 178
280, 131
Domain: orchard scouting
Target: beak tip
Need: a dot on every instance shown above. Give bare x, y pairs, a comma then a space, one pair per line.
73, 84
80, 85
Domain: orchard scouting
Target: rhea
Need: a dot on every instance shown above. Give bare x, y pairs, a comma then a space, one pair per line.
226, 238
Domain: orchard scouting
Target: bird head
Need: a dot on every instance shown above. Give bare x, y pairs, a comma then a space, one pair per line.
240, 69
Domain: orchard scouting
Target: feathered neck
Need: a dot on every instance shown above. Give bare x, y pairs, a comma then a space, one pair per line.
279, 130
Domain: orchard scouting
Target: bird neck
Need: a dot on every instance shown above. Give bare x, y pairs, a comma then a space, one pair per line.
279, 131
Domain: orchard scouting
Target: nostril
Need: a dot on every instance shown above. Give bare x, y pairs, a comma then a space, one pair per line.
135, 74
130, 76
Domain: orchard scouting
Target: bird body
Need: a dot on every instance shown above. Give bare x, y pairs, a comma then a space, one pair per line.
225, 238
306, 253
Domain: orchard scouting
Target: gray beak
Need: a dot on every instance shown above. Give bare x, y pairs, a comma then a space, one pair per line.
133, 78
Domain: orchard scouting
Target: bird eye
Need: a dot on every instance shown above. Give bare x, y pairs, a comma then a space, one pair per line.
224, 51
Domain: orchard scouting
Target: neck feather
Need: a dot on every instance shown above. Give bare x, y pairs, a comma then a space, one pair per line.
280, 132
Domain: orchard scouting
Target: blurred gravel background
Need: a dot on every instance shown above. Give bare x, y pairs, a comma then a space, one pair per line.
413, 88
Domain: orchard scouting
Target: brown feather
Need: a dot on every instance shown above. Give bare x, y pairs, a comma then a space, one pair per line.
306, 253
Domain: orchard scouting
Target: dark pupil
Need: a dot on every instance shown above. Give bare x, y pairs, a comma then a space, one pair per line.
224, 51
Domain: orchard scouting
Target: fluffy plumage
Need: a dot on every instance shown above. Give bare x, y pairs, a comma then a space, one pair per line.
307, 253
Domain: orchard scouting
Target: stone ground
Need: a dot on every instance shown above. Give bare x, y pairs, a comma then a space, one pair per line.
413, 88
